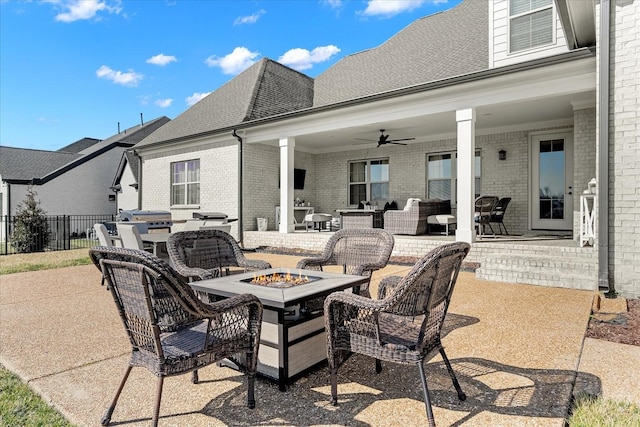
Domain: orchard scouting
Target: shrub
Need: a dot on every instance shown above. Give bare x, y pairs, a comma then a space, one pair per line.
31, 229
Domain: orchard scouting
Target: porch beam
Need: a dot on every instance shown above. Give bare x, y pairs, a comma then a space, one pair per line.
466, 145
287, 146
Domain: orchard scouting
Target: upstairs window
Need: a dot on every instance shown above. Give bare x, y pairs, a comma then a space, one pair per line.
368, 180
530, 24
185, 183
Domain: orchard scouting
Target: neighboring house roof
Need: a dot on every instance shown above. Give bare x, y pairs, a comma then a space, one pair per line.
129, 159
265, 89
79, 145
23, 166
439, 46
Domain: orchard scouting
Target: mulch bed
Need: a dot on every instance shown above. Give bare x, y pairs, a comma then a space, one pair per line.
623, 328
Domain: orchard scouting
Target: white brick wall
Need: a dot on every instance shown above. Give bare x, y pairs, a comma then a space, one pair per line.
624, 153
584, 141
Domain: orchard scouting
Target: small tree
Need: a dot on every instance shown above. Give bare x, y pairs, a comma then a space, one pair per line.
31, 229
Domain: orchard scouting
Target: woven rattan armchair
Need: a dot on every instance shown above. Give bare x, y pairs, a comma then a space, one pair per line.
359, 251
170, 330
403, 325
202, 254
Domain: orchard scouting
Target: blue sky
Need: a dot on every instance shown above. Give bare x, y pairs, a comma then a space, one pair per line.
71, 69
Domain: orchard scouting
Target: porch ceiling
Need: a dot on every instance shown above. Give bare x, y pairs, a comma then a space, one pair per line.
489, 119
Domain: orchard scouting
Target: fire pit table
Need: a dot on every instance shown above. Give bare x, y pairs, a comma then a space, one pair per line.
292, 340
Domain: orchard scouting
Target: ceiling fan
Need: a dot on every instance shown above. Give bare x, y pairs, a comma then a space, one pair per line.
384, 139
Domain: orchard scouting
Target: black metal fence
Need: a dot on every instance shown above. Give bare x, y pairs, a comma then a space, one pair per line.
63, 232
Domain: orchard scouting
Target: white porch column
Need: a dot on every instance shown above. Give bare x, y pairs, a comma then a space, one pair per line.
466, 119
287, 146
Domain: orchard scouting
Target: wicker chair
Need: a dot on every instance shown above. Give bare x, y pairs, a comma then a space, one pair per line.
198, 254
359, 251
403, 325
170, 330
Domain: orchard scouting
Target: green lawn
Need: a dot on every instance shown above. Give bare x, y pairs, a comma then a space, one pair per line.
20, 406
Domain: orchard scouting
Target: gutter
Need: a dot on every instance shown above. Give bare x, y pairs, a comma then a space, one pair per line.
240, 195
603, 153
583, 53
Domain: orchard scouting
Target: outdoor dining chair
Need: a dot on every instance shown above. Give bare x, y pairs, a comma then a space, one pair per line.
403, 325
484, 206
130, 236
201, 254
171, 331
497, 215
359, 251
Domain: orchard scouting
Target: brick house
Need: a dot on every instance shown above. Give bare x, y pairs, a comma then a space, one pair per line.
498, 97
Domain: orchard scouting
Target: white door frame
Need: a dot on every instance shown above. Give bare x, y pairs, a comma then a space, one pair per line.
551, 224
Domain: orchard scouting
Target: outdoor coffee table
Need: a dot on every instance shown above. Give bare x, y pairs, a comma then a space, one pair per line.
292, 340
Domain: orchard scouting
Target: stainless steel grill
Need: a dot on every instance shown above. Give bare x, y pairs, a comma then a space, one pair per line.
156, 220
211, 218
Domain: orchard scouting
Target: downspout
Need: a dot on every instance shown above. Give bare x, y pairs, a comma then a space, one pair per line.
603, 154
135, 153
240, 211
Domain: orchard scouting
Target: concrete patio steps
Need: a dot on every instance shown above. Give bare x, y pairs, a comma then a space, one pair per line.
536, 261
557, 267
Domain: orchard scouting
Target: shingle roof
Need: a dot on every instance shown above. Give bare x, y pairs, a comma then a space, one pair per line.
446, 44
265, 89
21, 164
436, 47
81, 144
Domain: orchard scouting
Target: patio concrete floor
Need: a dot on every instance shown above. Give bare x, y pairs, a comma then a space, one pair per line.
518, 350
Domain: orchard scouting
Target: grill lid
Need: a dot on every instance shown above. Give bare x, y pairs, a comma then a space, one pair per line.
209, 215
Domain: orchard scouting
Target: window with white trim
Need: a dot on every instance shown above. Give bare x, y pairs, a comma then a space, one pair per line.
368, 180
185, 183
442, 177
530, 24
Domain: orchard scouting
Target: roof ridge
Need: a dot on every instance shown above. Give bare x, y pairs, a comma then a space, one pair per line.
256, 89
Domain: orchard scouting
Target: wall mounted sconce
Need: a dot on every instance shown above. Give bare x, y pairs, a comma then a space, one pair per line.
502, 155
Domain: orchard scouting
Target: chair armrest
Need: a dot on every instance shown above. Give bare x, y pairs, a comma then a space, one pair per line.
253, 264
215, 309
194, 272
314, 263
387, 286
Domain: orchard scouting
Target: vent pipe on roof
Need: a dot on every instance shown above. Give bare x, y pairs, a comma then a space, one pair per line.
141, 121
118, 128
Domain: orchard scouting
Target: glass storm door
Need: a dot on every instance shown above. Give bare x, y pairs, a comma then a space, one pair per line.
552, 198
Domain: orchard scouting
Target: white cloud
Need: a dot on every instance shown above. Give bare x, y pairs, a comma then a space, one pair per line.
130, 78
197, 96
75, 10
334, 4
302, 59
164, 103
237, 61
391, 7
161, 59
250, 19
